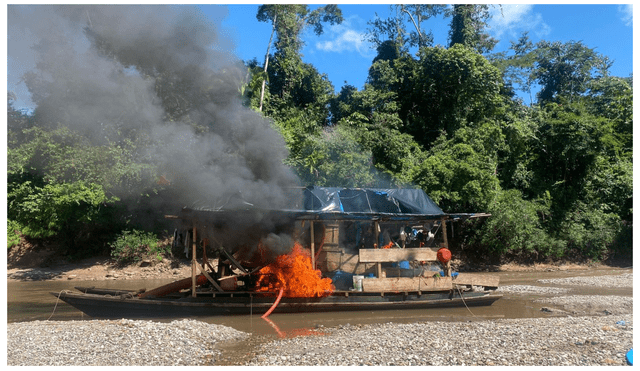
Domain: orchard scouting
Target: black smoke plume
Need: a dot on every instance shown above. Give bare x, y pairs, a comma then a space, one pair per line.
162, 73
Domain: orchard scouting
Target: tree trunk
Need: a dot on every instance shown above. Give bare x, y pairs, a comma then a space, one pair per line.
266, 62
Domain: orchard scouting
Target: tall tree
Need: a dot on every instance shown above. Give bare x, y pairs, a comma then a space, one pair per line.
448, 88
289, 21
564, 69
518, 67
468, 25
417, 13
266, 60
394, 28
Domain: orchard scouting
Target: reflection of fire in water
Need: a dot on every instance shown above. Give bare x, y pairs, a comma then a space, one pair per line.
295, 332
293, 273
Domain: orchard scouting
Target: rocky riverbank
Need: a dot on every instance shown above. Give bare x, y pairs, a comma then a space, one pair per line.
115, 343
584, 341
577, 341
579, 330
97, 269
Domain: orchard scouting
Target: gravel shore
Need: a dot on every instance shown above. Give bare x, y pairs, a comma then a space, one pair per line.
531, 341
115, 343
591, 330
621, 280
588, 340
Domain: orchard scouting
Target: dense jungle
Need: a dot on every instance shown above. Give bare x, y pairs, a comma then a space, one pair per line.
95, 166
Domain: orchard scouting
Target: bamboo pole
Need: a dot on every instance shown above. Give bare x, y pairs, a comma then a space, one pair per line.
193, 263
447, 266
444, 232
313, 246
376, 245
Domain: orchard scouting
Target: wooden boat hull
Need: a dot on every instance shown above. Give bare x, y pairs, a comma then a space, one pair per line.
126, 305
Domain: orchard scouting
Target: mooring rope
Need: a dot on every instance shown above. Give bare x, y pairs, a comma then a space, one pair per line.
58, 299
464, 302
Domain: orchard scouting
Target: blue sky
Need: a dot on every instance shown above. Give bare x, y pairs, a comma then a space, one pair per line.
342, 54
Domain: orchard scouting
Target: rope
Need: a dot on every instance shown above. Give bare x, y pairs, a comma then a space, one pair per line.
58, 299
465, 304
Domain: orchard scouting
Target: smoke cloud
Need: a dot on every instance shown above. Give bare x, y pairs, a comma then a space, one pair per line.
163, 73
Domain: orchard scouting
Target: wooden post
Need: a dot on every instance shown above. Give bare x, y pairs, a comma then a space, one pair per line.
376, 233
376, 245
447, 266
193, 263
444, 232
313, 246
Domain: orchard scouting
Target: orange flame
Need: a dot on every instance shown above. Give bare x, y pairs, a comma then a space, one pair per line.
388, 246
293, 273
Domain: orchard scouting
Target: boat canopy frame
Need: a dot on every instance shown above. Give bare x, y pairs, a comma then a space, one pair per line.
323, 204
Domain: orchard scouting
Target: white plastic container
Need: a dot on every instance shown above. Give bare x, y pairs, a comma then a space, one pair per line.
357, 283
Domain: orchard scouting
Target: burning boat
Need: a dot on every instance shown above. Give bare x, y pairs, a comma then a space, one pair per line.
338, 249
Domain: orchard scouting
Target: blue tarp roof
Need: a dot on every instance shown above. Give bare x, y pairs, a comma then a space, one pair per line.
336, 203
369, 201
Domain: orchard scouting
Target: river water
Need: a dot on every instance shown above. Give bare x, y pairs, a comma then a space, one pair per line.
31, 301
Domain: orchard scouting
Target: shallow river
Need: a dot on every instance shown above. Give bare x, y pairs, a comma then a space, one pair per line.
30, 301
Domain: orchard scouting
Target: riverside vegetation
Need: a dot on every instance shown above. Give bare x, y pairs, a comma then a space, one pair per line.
555, 174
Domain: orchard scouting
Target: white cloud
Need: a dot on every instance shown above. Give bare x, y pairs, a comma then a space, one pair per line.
344, 38
513, 19
626, 11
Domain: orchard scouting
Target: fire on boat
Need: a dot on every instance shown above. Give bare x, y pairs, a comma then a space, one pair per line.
339, 249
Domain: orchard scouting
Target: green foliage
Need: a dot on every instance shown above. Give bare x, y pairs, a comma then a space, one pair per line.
568, 145
557, 177
372, 115
564, 69
610, 185
590, 231
468, 25
460, 173
515, 229
13, 233
394, 153
134, 245
518, 68
520, 133
450, 88
622, 246
252, 89
62, 155
612, 98
292, 83
292, 19
334, 158
70, 210
395, 27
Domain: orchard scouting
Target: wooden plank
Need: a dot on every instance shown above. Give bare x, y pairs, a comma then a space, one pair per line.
486, 280
395, 255
399, 284
231, 259
204, 272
